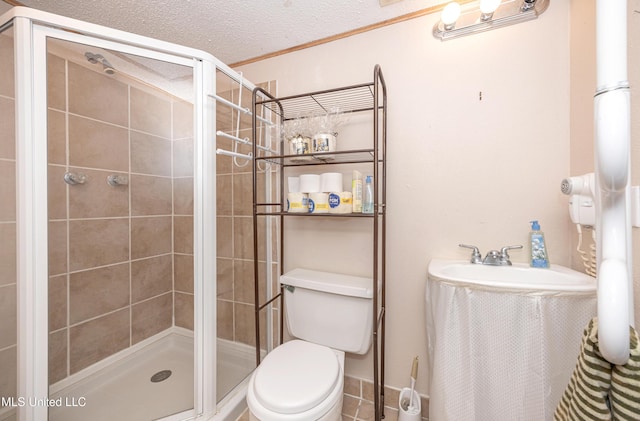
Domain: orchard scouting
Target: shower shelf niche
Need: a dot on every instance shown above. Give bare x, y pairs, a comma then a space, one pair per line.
361, 98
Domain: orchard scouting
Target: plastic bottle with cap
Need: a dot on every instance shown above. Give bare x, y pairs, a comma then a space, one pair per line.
538, 258
367, 203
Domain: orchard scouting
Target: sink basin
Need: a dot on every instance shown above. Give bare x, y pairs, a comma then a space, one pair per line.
519, 276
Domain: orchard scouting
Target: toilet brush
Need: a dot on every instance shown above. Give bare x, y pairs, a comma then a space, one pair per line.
414, 376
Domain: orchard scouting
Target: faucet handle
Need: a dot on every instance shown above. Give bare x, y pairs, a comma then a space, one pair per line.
476, 257
504, 249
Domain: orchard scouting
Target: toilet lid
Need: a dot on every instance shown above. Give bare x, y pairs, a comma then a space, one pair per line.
296, 376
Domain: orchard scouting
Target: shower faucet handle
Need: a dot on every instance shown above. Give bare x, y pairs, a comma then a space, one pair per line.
73, 178
476, 257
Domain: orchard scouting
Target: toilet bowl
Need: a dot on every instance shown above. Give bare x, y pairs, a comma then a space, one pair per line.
303, 379
298, 381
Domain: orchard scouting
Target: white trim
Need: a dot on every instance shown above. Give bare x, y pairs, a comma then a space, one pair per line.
31, 225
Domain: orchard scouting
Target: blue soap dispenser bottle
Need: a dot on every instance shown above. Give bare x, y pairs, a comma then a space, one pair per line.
538, 258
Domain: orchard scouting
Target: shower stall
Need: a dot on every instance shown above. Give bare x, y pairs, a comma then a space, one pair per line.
126, 257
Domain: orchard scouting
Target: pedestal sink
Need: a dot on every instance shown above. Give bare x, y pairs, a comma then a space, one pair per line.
503, 340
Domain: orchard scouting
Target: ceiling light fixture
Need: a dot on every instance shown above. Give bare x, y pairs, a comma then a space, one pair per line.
484, 15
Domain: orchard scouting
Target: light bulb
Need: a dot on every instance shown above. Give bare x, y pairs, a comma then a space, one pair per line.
487, 7
450, 15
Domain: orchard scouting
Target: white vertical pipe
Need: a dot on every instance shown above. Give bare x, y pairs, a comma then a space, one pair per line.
612, 161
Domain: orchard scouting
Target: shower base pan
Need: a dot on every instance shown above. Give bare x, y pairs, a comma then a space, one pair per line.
153, 382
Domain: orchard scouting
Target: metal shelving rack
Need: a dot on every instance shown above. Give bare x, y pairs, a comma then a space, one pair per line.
367, 97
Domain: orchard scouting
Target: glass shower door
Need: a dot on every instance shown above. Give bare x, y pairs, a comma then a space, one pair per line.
121, 238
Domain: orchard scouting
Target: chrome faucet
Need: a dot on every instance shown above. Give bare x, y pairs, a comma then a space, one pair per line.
476, 257
493, 257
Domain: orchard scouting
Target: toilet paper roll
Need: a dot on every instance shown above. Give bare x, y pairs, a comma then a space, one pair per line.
341, 202
297, 203
330, 181
294, 184
309, 183
318, 202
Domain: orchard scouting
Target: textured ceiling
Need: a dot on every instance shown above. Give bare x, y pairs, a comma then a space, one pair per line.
232, 30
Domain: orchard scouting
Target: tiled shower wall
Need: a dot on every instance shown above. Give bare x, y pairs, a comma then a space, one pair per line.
120, 257
8, 319
234, 207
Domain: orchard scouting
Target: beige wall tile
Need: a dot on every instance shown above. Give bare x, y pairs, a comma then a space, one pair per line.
243, 194
98, 242
243, 237
94, 144
57, 302
56, 83
183, 234
7, 84
182, 120
56, 137
224, 195
8, 316
244, 318
57, 356
150, 113
183, 272
183, 196
183, 158
96, 339
224, 319
57, 194
150, 154
98, 291
98, 96
7, 128
96, 198
151, 277
151, 317
57, 247
8, 253
184, 310
9, 370
243, 281
224, 272
8, 191
150, 236
150, 195
223, 163
224, 236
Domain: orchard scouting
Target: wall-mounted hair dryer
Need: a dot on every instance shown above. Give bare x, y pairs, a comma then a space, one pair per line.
581, 206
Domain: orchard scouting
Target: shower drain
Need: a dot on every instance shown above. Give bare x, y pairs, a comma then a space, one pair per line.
161, 376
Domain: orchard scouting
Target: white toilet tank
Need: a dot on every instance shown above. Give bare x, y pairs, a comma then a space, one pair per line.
329, 309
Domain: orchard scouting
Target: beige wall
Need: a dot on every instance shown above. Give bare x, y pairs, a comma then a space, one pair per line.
120, 258
460, 169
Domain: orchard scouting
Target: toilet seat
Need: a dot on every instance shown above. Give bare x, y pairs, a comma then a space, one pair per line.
296, 381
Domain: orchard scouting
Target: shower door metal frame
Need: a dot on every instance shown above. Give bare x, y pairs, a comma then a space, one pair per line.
31, 30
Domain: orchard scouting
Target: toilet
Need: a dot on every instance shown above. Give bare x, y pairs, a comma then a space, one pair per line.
329, 314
